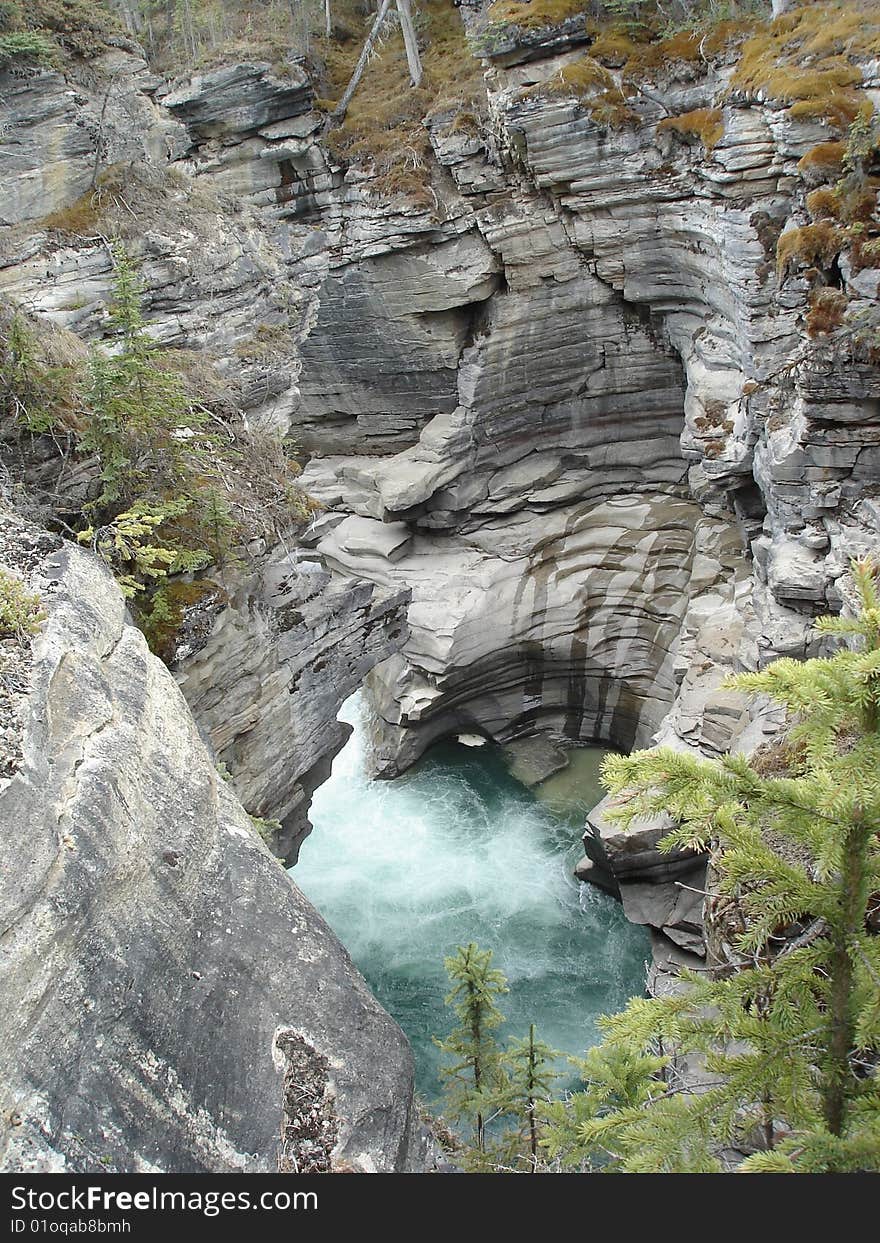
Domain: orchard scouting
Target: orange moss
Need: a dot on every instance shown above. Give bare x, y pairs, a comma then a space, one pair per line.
815, 245
808, 59
583, 77
827, 311
706, 124
612, 47
536, 15
865, 252
825, 158
823, 204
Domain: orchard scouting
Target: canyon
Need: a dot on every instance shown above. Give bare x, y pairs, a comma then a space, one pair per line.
577, 459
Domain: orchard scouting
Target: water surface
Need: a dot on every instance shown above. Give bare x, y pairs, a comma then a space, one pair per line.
456, 851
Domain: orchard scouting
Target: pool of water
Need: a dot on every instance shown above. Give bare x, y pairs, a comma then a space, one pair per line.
457, 851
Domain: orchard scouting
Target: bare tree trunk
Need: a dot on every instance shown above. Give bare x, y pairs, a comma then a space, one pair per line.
780, 7
341, 108
328, 21
410, 42
131, 16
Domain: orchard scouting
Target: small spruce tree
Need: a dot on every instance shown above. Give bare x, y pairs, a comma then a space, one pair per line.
525, 1087
152, 440
791, 1042
614, 1079
473, 1076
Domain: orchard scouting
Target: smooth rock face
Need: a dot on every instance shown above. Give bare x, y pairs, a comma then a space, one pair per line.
166, 987
536, 624
267, 682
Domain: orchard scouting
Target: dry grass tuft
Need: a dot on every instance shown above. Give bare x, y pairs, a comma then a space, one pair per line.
707, 124
827, 311
814, 245
824, 204
596, 88
537, 14
384, 126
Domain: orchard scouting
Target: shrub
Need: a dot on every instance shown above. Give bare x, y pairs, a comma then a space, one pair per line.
37, 392
26, 47
137, 552
20, 611
176, 489
41, 32
790, 1038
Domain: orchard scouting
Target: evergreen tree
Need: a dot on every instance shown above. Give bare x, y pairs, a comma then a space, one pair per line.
526, 1084
151, 439
614, 1079
473, 1076
791, 1042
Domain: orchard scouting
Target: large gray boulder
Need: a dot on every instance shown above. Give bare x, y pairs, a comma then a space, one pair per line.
168, 993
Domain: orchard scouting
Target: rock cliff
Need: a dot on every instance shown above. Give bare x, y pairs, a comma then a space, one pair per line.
168, 992
579, 448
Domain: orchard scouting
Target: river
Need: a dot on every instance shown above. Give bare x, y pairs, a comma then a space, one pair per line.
457, 851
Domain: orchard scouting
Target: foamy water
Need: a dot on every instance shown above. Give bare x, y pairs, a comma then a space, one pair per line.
456, 851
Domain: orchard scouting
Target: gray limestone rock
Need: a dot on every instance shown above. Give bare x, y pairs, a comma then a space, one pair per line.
268, 679
166, 987
238, 99
630, 856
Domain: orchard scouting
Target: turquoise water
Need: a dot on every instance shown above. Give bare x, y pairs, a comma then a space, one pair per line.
456, 851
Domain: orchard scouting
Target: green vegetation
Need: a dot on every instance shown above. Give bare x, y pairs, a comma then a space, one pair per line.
499, 1092
39, 379
20, 611
268, 830
785, 1033
525, 1088
614, 1080
137, 551
791, 1039
53, 32
175, 490
474, 1073
25, 47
